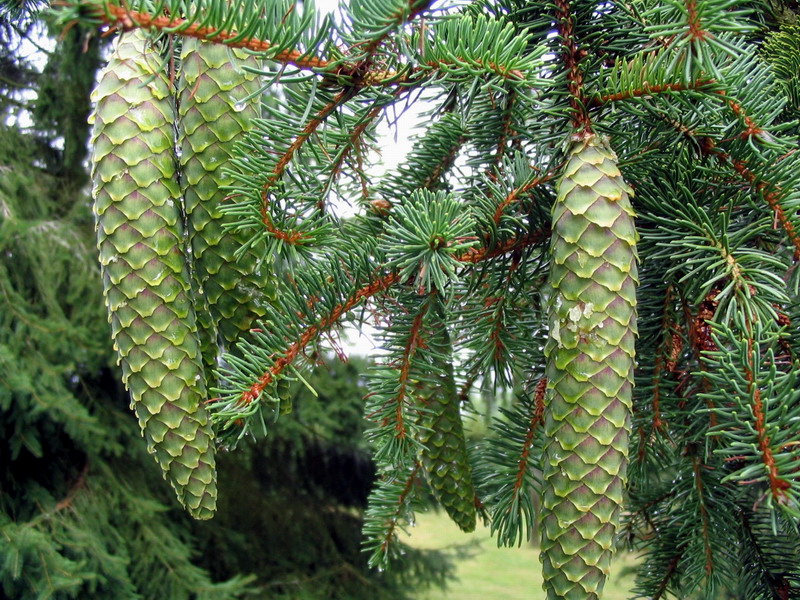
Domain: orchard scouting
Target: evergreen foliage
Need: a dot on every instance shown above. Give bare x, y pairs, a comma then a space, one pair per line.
539, 110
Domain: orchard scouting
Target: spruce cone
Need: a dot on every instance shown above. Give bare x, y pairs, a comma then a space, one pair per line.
590, 359
145, 276
214, 114
444, 459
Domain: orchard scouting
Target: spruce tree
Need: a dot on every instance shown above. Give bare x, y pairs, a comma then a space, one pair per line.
655, 365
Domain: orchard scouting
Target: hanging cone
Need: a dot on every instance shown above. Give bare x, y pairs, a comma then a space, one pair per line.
145, 276
444, 458
216, 107
590, 359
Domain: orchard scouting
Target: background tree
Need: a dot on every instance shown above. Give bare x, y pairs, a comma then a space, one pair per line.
511, 225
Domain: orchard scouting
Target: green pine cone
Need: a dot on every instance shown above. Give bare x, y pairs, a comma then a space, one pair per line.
590, 360
214, 114
444, 457
145, 276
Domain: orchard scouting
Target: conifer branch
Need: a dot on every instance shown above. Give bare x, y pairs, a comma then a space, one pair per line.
478, 46
416, 7
672, 568
772, 193
502, 71
390, 503
657, 422
408, 486
696, 31
354, 139
751, 127
466, 388
495, 337
74, 489
706, 529
536, 421
476, 255
767, 558
305, 133
650, 90
430, 158
360, 73
670, 343
777, 484
506, 472
311, 333
518, 192
746, 409
122, 18
378, 286
505, 134
439, 169
701, 339
394, 415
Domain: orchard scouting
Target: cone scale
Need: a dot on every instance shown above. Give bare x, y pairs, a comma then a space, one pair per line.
144, 270
590, 360
217, 106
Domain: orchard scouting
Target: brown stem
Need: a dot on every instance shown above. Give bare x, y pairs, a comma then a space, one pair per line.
309, 334
414, 341
127, 20
523, 189
667, 345
777, 484
571, 56
67, 500
536, 420
696, 31
398, 19
649, 90
771, 193
476, 255
308, 130
672, 567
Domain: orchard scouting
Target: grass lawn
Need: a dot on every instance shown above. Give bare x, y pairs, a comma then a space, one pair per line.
493, 573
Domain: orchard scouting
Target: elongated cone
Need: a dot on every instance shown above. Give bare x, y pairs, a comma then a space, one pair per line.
590, 359
145, 276
216, 107
444, 458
